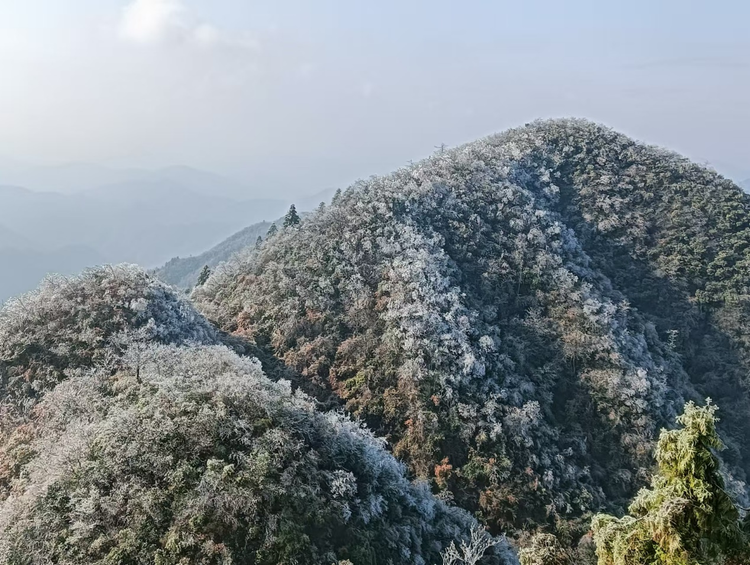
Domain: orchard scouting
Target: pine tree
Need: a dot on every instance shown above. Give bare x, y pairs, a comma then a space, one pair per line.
203, 277
273, 230
258, 242
291, 218
686, 517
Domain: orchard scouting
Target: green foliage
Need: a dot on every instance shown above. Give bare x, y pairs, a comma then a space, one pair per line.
203, 276
273, 230
686, 517
292, 217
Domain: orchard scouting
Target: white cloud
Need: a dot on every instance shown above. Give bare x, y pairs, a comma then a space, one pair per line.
160, 21
151, 21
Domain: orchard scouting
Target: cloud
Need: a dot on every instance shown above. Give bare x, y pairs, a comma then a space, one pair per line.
152, 21
162, 21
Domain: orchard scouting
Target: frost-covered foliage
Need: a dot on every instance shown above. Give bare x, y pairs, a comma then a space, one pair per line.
686, 517
75, 322
471, 551
546, 549
129, 435
191, 455
519, 316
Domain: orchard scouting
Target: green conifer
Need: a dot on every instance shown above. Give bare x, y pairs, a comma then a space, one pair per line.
291, 218
203, 276
686, 517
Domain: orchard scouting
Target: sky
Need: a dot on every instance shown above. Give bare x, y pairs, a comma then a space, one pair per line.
296, 96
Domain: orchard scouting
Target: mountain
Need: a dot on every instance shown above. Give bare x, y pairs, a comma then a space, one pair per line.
183, 272
145, 222
11, 240
518, 316
74, 178
134, 432
68, 178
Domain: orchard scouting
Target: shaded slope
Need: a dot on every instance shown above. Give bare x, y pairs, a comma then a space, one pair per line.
519, 315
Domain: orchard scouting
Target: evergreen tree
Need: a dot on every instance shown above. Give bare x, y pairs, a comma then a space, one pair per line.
203, 277
258, 242
291, 218
686, 517
273, 230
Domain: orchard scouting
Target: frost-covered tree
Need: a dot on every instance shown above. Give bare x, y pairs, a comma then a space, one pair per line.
686, 517
70, 323
273, 230
128, 434
190, 455
546, 549
292, 217
471, 551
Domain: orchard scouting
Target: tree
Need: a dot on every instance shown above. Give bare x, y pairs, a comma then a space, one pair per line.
545, 549
686, 517
471, 552
273, 230
291, 218
203, 277
258, 242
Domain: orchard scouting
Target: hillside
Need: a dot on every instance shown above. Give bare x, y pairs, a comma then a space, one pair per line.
518, 316
183, 272
130, 433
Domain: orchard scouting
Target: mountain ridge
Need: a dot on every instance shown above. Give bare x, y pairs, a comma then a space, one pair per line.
519, 316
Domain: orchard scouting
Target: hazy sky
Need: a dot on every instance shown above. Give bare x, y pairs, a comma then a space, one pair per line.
300, 96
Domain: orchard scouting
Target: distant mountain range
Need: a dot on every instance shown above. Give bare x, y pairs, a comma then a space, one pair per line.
61, 219
74, 178
183, 272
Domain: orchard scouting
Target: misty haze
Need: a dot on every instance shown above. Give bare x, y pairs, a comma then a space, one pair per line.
388, 283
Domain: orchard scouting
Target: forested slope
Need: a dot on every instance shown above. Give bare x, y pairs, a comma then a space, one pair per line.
130, 434
518, 316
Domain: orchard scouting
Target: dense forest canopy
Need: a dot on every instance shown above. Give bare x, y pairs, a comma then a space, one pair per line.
518, 316
130, 434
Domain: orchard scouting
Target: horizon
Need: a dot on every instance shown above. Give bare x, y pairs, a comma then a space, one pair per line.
297, 99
